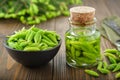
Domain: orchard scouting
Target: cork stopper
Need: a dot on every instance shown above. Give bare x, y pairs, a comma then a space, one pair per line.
82, 15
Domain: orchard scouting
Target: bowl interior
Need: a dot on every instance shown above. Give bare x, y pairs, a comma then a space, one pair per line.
6, 45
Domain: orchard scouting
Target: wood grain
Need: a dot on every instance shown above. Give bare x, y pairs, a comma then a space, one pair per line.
56, 69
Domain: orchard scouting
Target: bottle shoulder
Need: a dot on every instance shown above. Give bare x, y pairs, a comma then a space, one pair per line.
82, 32
96, 35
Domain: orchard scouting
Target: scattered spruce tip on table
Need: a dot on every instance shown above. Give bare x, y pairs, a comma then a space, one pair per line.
112, 66
33, 39
35, 11
91, 72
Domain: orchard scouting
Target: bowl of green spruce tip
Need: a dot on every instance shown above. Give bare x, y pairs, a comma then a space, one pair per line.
32, 47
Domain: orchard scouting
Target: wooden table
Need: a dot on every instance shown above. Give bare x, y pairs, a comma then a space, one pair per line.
57, 68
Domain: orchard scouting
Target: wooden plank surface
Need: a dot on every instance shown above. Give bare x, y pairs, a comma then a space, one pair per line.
56, 69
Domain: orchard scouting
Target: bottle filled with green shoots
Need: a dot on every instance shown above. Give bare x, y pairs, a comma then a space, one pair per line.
82, 40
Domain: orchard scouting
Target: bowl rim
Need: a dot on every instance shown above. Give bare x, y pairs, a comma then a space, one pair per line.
5, 45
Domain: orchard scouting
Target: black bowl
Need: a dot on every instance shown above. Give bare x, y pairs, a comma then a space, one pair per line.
32, 58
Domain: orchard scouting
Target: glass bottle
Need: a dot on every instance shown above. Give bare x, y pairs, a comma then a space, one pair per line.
82, 44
